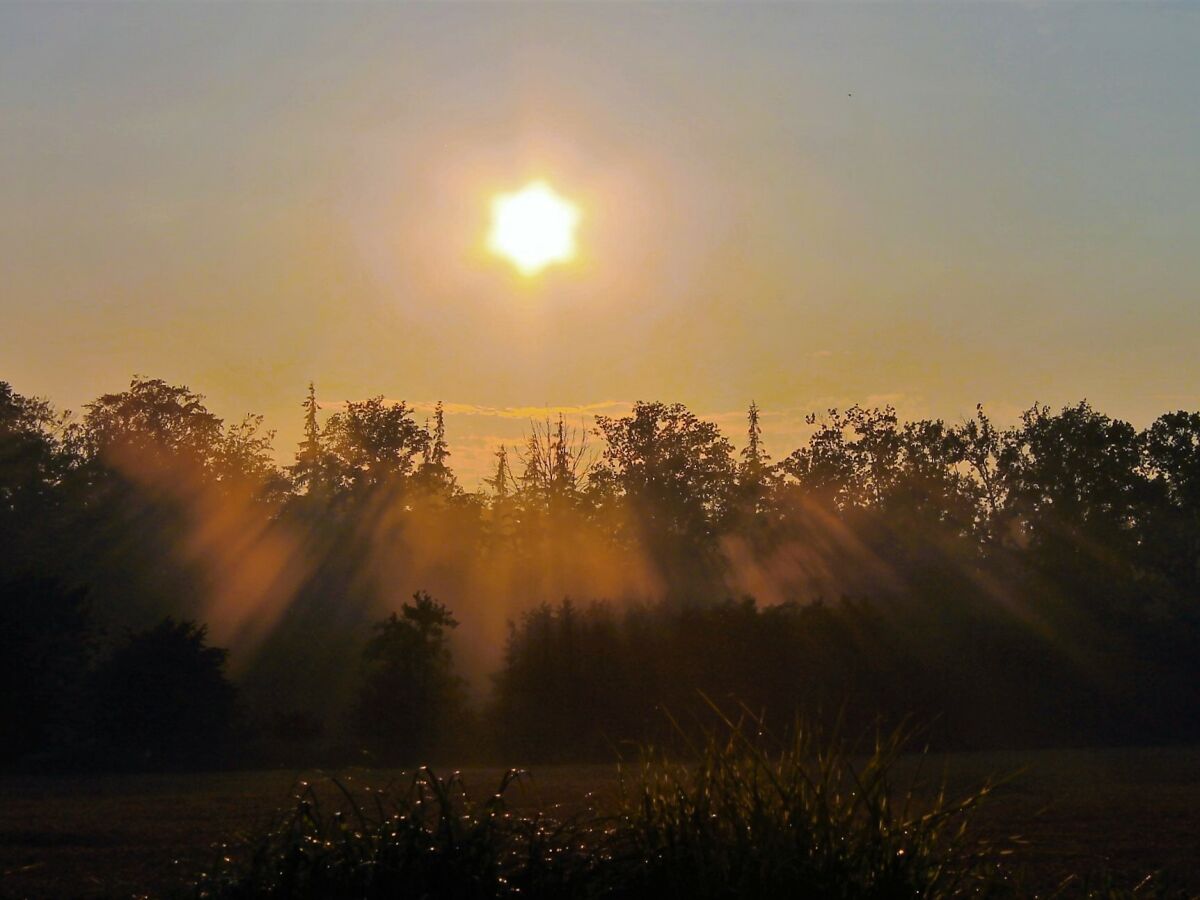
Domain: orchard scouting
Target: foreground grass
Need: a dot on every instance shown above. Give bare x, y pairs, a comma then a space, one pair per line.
751, 818
1128, 812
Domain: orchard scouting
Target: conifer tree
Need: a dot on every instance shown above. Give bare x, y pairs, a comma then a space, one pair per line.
309, 470
499, 482
754, 473
435, 469
562, 474
753, 454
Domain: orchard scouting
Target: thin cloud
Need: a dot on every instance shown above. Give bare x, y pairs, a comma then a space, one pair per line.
528, 412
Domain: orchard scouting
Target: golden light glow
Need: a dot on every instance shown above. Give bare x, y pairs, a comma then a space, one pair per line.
533, 227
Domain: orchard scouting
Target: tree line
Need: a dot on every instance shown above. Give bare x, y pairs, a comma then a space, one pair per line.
1030, 584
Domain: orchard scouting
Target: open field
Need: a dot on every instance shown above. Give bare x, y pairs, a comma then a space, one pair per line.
1130, 812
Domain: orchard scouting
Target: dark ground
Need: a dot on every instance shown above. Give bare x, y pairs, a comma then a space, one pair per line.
1131, 812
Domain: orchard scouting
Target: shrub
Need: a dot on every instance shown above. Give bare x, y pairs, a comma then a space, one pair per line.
163, 700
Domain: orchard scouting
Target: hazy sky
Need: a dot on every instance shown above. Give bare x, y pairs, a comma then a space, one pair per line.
800, 204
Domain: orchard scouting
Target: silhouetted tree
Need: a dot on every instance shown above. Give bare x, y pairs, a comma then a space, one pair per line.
851, 459
155, 430
374, 444
246, 460
755, 477
675, 471
1075, 484
33, 465
311, 472
1027, 584
897, 486
502, 476
1172, 530
163, 700
410, 694
153, 424
502, 510
555, 463
46, 643
981, 446
435, 472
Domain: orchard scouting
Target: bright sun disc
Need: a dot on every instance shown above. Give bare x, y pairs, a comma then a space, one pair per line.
533, 227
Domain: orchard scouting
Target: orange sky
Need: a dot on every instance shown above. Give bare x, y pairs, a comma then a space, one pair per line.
803, 205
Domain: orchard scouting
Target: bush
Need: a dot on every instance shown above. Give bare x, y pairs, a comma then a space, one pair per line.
410, 696
163, 700
46, 645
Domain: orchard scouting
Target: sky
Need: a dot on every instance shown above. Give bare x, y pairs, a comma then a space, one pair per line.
798, 204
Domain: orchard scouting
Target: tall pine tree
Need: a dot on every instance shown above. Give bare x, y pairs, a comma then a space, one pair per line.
310, 471
754, 473
499, 482
435, 469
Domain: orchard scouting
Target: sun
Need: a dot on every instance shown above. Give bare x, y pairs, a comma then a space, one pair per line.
533, 228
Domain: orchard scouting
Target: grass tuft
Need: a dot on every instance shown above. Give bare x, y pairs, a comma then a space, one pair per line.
800, 816
427, 839
735, 814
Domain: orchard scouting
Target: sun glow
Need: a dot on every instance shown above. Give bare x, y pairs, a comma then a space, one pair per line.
533, 227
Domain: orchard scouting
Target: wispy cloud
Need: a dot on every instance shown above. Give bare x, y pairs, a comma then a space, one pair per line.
528, 412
